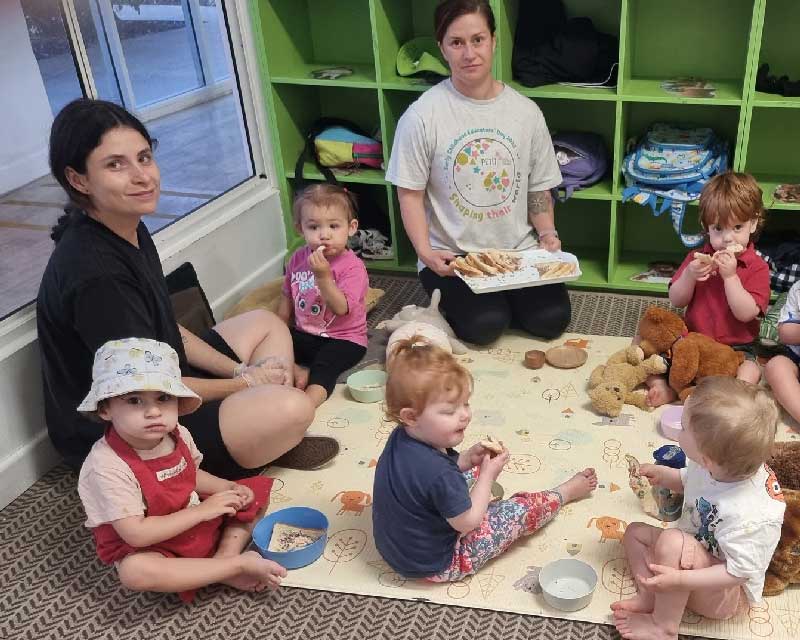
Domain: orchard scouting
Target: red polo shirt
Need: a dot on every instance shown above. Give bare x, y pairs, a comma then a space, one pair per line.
708, 311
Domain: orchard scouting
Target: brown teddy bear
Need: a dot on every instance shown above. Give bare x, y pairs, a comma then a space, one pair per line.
613, 384
691, 355
785, 566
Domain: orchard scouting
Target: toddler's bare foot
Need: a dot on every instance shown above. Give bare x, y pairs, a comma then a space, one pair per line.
300, 376
256, 573
642, 602
659, 392
578, 486
642, 626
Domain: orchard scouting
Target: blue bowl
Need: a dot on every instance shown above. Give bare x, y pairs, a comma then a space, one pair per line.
297, 517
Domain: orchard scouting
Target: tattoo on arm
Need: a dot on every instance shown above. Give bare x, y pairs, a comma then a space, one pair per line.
538, 202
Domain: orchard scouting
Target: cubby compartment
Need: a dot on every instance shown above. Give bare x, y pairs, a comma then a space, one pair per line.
605, 15
642, 238
303, 36
397, 22
771, 154
638, 116
680, 38
596, 117
394, 105
298, 106
584, 227
780, 48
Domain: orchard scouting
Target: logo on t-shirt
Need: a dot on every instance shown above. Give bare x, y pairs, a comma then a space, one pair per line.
484, 174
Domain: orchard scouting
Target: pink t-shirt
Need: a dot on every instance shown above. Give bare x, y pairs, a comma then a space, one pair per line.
311, 314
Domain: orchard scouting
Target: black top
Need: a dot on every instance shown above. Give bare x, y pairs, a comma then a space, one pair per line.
96, 287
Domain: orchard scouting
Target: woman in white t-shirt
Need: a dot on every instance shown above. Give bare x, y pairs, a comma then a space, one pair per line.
474, 164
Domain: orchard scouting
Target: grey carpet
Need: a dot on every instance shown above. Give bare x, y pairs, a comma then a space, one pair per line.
53, 586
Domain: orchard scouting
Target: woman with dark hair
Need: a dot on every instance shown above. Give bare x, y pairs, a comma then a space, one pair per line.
474, 164
104, 281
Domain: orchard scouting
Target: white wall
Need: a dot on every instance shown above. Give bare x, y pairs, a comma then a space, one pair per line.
25, 120
233, 252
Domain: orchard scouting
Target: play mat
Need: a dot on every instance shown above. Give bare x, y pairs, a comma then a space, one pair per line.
545, 419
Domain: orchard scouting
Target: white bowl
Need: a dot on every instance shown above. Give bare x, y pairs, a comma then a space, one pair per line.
568, 584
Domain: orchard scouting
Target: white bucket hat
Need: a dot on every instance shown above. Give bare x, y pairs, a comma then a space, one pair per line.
137, 364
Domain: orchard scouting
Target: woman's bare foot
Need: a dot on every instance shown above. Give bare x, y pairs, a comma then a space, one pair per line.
256, 573
642, 602
578, 486
641, 626
300, 376
659, 392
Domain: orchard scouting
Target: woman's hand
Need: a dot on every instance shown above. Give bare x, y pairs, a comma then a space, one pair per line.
272, 370
550, 241
438, 261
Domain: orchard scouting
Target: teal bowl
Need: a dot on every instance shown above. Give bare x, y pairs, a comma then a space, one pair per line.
304, 517
368, 385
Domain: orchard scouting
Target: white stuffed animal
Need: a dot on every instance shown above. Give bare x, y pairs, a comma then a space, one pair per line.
427, 322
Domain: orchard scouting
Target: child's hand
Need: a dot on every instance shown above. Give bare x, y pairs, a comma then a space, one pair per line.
319, 264
492, 467
245, 493
476, 453
726, 264
665, 579
700, 270
224, 503
655, 473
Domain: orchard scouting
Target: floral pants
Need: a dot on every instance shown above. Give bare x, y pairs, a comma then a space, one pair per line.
505, 521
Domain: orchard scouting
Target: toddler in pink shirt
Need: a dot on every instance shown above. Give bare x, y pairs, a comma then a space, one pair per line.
323, 298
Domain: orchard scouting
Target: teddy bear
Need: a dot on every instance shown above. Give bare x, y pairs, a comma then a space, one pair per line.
427, 322
785, 566
613, 384
690, 355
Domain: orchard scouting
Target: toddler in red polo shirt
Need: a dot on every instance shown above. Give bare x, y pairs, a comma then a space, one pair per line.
725, 285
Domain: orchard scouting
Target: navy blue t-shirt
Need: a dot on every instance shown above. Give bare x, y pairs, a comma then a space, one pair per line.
416, 488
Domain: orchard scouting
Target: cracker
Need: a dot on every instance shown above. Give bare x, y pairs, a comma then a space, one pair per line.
462, 266
492, 446
703, 257
286, 537
474, 260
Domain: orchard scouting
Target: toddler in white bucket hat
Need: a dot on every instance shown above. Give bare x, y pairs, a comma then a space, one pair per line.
137, 364
148, 503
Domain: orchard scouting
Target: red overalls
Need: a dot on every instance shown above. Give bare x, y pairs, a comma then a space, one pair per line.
167, 484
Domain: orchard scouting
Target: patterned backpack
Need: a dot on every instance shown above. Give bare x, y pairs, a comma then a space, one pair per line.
583, 160
673, 163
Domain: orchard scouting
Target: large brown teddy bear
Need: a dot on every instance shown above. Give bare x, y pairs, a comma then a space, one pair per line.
613, 384
785, 566
692, 355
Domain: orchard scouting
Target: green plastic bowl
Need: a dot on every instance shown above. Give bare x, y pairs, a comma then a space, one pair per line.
368, 385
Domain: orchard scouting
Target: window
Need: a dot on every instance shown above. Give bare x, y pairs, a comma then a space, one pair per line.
167, 61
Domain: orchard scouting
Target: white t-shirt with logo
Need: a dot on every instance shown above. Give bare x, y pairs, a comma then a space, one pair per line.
738, 522
477, 160
791, 312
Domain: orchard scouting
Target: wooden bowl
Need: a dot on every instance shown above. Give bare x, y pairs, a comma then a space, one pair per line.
566, 357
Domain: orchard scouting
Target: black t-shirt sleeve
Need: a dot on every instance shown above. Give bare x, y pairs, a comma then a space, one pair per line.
109, 308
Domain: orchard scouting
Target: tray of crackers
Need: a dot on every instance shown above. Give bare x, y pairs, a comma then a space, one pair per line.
495, 270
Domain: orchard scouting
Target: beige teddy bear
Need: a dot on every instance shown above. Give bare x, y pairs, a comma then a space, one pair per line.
613, 384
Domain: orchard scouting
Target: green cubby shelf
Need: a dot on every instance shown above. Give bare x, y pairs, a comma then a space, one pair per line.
722, 41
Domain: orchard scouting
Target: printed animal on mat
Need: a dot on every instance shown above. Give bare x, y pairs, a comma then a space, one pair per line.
610, 528
530, 581
353, 501
613, 384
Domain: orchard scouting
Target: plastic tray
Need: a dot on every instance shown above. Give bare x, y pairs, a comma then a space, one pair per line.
526, 276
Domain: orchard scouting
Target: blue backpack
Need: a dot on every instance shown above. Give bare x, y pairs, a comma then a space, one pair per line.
583, 160
672, 163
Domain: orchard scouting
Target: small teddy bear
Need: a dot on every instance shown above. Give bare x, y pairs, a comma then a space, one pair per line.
613, 384
691, 355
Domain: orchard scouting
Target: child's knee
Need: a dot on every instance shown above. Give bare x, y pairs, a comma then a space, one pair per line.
749, 372
669, 547
137, 573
